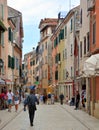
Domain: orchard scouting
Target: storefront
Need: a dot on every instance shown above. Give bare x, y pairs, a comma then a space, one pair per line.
91, 71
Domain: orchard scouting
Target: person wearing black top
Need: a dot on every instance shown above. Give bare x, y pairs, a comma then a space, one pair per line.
77, 100
30, 101
61, 96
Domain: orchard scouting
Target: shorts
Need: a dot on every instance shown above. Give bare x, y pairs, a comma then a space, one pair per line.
16, 102
9, 101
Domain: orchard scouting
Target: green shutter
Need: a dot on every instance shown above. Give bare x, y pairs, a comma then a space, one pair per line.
59, 57
54, 43
12, 62
9, 61
31, 63
22, 66
12, 37
9, 34
2, 38
71, 25
62, 34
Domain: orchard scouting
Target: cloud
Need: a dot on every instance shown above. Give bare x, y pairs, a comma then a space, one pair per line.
34, 10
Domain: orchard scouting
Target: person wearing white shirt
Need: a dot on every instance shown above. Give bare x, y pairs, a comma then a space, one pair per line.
10, 99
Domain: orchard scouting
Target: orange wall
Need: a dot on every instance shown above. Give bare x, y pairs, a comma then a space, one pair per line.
94, 16
97, 23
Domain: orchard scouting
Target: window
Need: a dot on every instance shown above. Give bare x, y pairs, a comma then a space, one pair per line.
94, 32
80, 49
65, 31
9, 34
71, 49
88, 41
2, 11
42, 48
46, 45
71, 28
17, 63
11, 61
57, 58
55, 42
71, 71
1, 38
33, 62
61, 35
56, 75
84, 45
66, 53
81, 16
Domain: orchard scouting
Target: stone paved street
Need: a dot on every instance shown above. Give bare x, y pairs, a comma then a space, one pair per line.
54, 117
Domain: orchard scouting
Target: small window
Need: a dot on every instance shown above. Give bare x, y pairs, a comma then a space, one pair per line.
71, 25
84, 45
65, 31
88, 42
71, 49
80, 49
94, 32
81, 16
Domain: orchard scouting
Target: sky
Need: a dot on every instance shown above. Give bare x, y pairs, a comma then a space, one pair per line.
32, 13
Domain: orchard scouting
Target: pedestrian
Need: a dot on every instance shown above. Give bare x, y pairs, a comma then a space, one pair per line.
16, 100
52, 99
30, 101
41, 98
10, 99
77, 100
49, 98
61, 96
66, 99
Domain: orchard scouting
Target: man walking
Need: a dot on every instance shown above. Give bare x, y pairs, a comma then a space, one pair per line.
77, 100
61, 96
10, 99
30, 101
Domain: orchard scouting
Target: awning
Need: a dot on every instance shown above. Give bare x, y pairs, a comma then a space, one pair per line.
8, 81
2, 82
36, 82
2, 26
91, 65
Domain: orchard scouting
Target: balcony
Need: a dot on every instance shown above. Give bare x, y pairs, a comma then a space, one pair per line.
90, 5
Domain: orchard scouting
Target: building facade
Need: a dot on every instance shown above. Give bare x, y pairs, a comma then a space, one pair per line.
47, 27
11, 45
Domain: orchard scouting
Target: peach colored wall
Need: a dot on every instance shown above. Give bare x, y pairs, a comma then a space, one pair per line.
94, 17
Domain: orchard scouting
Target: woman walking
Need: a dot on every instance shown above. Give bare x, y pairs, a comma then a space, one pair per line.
16, 100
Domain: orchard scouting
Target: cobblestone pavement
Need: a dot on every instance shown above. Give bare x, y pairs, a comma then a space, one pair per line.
53, 117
